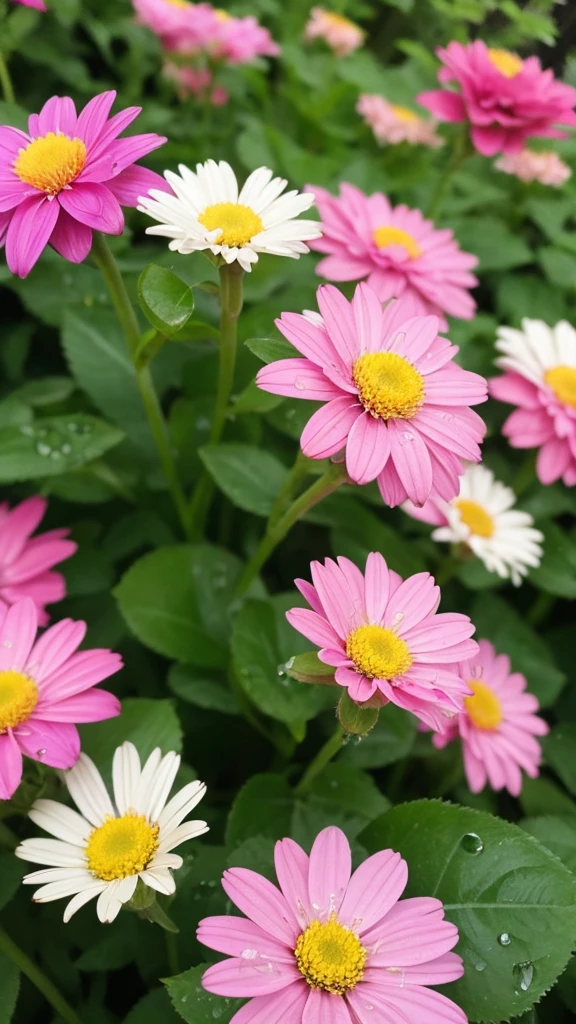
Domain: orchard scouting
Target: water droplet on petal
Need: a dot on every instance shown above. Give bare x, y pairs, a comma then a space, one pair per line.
41, 752
300, 384
249, 954
504, 939
7, 643
406, 437
472, 843
523, 974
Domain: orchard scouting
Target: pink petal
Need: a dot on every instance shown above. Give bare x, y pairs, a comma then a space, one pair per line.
234, 935
292, 867
58, 115
239, 977
367, 448
134, 182
336, 599
337, 315
377, 586
29, 232
117, 155
553, 459
38, 556
330, 867
17, 634
309, 594
92, 706
10, 765
285, 1007
359, 687
92, 118
445, 105
411, 460
297, 378
363, 1002
414, 932
326, 431
373, 890
313, 627
324, 1008
71, 239
262, 902
56, 744
79, 672
367, 310
17, 526
416, 1003
390, 486
94, 206
489, 141
55, 647
416, 598
443, 969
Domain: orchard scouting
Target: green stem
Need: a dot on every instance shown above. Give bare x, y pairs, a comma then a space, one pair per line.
52, 995
323, 757
459, 155
231, 298
299, 472
275, 532
127, 317
540, 608
6, 82
172, 953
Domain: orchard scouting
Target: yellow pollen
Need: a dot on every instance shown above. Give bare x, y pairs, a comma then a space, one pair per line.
222, 15
484, 709
404, 114
18, 698
330, 957
389, 387
377, 652
121, 847
508, 64
238, 223
385, 236
478, 521
562, 380
340, 20
51, 162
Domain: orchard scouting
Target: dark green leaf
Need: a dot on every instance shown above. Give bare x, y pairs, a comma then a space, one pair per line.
9, 989
250, 477
560, 752
55, 445
557, 571
271, 349
355, 720
197, 688
196, 1005
166, 301
556, 834
263, 807
154, 1007
145, 723
307, 668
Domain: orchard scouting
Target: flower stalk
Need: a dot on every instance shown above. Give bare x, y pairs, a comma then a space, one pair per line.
48, 989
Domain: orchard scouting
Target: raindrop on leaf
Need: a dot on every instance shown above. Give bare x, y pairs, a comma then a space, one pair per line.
472, 843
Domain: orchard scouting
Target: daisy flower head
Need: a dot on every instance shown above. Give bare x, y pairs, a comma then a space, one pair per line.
540, 378
209, 212
505, 99
328, 944
530, 165
103, 851
498, 725
396, 249
394, 399
67, 177
385, 638
47, 687
484, 519
339, 33
393, 124
26, 562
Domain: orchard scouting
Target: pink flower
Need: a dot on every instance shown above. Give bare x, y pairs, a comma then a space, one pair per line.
397, 249
505, 99
68, 177
240, 40
342, 35
529, 165
45, 688
38, 5
498, 724
392, 124
328, 944
26, 562
384, 638
540, 378
394, 399
171, 19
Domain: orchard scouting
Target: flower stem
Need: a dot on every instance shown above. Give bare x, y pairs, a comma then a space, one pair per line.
276, 531
6, 82
127, 317
52, 995
323, 757
231, 298
459, 155
299, 472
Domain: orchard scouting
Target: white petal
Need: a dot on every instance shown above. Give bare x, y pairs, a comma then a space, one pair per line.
68, 886
60, 821
147, 777
160, 787
51, 852
88, 791
180, 805
125, 777
190, 830
161, 880
81, 898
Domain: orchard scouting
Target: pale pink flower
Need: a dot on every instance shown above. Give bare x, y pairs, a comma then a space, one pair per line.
498, 725
170, 20
38, 5
397, 249
189, 81
384, 637
383, 951
393, 124
192, 29
506, 99
241, 40
69, 176
395, 400
342, 35
540, 378
26, 562
529, 165
46, 688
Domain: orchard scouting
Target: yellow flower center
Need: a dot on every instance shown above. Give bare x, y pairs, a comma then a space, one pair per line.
121, 847
508, 64
403, 114
484, 709
385, 236
377, 652
237, 223
475, 517
562, 380
340, 21
388, 385
222, 15
18, 698
51, 162
330, 957
178, 3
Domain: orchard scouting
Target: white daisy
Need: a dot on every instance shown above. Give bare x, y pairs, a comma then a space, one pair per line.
104, 850
483, 518
208, 212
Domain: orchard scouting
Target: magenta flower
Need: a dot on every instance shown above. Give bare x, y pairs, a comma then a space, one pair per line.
46, 687
505, 99
540, 378
329, 945
397, 249
38, 5
384, 637
68, 177
498, 725
395, 401
26, 562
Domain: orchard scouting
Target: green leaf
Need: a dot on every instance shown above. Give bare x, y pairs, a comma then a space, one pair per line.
513, 902
307, 668
559, 267
254, 399
262, 807
155, 1006
13, 115
271, 349
55, 445
497, 621
176, 601
391, 739
9, 989
493, 242
45, 391
542, 796
355, 720
557, 571
196, 1005
250, 477
560, 752
166, 301
556, 834
197, 688
11, 871
145, 723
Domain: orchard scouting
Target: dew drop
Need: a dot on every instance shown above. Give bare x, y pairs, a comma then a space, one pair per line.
476, 672
43, 449
249, 954
472, 843
504, 939
300, 384
66, 449
41, 752
480, 966
368, 1006
406, 437
523, 973
55, 454
27, 430
7, 643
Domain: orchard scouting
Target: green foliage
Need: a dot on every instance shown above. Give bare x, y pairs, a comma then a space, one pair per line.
196, 1005
249, 477
166, 301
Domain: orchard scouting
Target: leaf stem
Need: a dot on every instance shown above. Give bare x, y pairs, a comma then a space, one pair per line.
38, 978
323, 757
127, 318
6, 82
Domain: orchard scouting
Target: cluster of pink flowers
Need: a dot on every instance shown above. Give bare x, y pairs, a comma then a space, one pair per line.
393, 124
199, 82
544, 166
192, 29
339, 33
